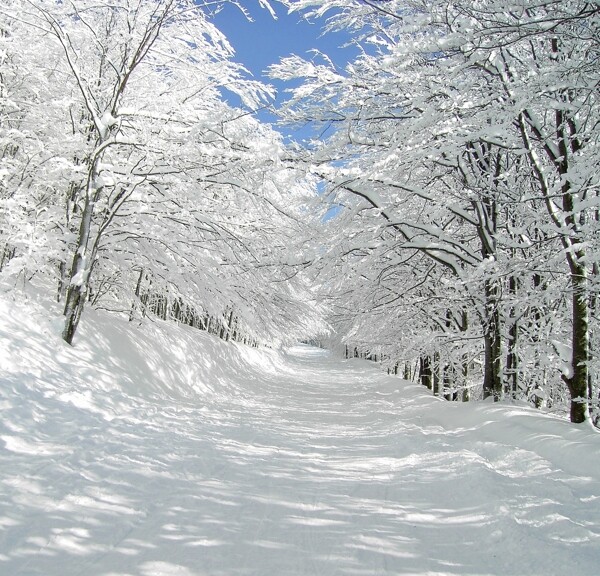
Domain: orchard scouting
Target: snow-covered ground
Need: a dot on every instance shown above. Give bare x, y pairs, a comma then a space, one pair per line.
156, 450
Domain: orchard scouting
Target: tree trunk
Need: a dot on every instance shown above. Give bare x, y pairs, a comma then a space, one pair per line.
62, 272
78, 277
138, 288
492, 373
449, 383
465, 394
436, 374
577, 381
83, 259
73, 310
425, 373
512, 355
512, 360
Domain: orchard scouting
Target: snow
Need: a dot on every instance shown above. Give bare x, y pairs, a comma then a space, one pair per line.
104, 124
157, 450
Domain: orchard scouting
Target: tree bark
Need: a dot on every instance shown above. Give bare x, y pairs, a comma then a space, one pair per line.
577, 382
426, 374
73, 310
80, 271
492, 373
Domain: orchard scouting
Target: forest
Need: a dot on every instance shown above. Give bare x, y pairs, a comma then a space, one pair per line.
443, 220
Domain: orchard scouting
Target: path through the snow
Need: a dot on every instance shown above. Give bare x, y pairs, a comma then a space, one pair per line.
304, 464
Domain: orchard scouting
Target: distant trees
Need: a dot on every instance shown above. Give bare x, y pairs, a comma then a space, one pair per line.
127, 178
461, 148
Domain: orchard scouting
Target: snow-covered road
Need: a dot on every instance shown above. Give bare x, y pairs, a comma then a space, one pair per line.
270, 464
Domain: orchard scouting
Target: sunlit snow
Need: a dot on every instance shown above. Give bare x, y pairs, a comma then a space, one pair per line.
156, 450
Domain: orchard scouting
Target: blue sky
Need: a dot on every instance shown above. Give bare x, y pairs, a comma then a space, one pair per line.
265, 40
262, 42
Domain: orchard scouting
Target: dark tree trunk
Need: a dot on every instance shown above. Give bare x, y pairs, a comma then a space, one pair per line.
577, 382
436, 374
425, 372
73, 310
512, 355
138, 289
492, 376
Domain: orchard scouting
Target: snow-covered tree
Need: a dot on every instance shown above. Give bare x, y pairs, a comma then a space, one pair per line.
468, 133
145, 180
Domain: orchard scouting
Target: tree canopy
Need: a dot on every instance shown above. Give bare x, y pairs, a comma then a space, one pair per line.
461, 148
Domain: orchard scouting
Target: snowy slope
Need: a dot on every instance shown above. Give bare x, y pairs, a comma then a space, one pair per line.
156, 450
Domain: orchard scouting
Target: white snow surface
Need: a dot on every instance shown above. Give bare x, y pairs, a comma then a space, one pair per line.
157, 450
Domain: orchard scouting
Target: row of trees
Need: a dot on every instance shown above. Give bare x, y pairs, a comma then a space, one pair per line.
461, 149
133, 174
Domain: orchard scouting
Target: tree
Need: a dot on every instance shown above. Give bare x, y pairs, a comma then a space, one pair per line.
152, 182
555, 110
454, 126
